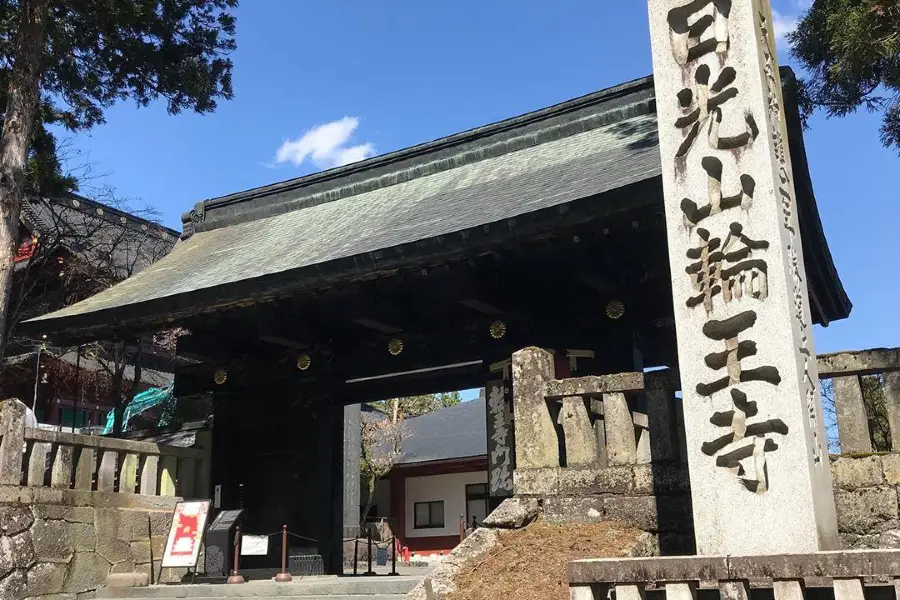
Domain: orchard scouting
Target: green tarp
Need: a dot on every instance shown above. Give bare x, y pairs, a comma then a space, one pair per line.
162, 398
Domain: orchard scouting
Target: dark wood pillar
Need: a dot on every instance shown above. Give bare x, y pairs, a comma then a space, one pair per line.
331, 487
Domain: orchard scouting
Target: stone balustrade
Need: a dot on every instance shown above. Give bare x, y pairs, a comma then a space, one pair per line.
595, 421
40, 458
607, 447
845, 370
784, 576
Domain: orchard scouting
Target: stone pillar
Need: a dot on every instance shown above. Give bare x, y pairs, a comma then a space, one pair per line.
12, 426
850, 411
352, 454
620, 443
759, 469
580, 439
537, 445
892, 401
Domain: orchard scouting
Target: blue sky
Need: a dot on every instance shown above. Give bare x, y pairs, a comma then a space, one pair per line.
362, 77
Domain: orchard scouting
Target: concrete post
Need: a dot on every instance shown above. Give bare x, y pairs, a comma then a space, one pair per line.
759, 470
853, 425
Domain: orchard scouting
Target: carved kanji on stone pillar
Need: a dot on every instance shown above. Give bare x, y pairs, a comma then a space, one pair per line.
755, 437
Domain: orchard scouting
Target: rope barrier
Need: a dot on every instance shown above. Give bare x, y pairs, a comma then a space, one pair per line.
296, 535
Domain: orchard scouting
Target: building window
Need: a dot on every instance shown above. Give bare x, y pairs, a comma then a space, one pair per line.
429, 515
476, 504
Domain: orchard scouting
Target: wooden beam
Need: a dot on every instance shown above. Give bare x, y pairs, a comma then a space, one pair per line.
285, 332
203, 348
377, 325
481, 306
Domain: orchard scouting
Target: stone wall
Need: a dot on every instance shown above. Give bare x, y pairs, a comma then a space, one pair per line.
656, 498
63, 544
866, 494
652, 497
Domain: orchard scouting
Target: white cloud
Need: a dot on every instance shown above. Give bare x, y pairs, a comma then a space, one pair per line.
325, 145
784, 25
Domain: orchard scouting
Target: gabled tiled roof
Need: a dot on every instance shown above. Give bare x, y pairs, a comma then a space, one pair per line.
275, 240
450, 433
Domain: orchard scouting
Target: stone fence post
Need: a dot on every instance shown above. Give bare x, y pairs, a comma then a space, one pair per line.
12, 428
537, 445
850, 409
845, 369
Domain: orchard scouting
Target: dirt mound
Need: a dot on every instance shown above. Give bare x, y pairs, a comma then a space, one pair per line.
530, 564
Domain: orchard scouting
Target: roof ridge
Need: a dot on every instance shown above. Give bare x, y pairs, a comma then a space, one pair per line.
446, 153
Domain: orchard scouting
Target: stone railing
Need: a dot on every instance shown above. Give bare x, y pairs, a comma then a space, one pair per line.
845, 370
788, 576
608, 447
39, 458
594, 421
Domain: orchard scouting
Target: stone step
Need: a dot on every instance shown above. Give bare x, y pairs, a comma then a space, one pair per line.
325, 597
333, 588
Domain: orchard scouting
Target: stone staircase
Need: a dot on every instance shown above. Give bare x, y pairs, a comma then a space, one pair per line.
307, 588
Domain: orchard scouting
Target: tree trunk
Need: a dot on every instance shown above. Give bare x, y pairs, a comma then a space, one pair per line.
22, 103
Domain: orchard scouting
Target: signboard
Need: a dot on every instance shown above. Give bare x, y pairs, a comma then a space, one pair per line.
254, 545
188, 524
500, 438
220, 542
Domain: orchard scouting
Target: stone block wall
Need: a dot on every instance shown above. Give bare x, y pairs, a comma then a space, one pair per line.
656, 498
63, 544
866, 492
653, 497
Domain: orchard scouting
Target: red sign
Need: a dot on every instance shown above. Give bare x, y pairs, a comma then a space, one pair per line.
186, 533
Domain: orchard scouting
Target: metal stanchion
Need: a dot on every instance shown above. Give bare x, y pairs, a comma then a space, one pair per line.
284, 576
235, 576
356, 555
462, 528
394, 556
369, 540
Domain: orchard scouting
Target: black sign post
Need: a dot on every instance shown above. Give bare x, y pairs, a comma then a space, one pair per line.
220, 542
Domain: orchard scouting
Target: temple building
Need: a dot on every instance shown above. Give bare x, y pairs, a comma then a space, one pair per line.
70, 248
422, 271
